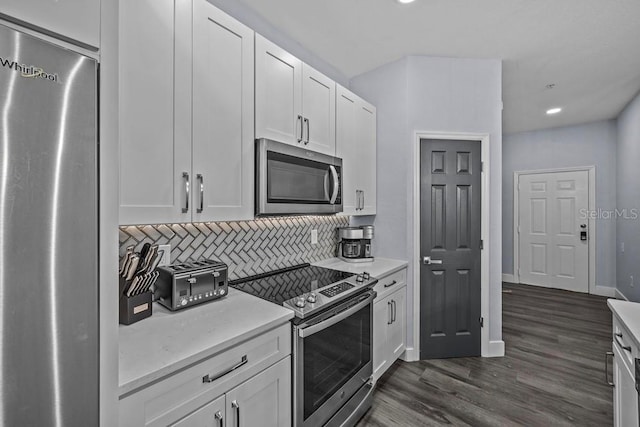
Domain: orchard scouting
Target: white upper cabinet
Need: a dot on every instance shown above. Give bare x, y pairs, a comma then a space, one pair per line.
319, 111
155, 148
295, 104
186, 129
278, 93
76, 19
223, 117
356, 145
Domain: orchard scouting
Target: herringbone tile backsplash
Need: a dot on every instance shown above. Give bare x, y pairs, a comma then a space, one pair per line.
247, 247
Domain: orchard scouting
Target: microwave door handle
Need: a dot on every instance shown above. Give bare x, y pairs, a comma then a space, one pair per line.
327, 197
336, 184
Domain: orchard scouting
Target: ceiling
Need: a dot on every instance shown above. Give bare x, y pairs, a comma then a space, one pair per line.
589, 49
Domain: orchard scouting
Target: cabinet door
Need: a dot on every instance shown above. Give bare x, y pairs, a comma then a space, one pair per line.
319, 111
347, 147
76, 19
278, 93
367, 148
381, 323
211, 414
264, 400
155, 143
398, 326
625, 400
223, 125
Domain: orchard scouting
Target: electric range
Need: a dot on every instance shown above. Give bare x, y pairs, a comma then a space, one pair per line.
332, 340
305, 289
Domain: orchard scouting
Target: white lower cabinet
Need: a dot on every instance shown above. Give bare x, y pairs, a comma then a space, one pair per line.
246, 385
389, 321
625, 396
264, 400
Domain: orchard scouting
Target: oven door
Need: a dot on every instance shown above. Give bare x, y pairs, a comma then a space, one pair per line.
293, 180
332, 359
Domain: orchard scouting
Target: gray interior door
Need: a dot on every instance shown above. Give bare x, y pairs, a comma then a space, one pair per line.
450, 245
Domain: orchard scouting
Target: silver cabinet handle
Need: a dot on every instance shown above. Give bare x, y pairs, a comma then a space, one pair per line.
362, 192
220, 419
388, 285
428, 261
308, 131
608, 355
301, 137
336, 184
235, 405
627, 348
211, 378
393, 306
389, 310
201, 179
185, 175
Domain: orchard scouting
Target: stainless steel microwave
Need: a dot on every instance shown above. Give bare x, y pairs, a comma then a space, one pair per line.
292, 180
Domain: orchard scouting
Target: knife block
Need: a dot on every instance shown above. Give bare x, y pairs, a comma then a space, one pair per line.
135, 308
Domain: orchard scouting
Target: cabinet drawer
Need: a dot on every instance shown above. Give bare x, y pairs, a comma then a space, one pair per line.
181, 393
626, 344
391, 282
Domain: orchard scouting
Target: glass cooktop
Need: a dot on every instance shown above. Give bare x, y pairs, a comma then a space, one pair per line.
282, 285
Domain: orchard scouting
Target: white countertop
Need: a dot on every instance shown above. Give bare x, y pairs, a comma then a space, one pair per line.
168, 341
376, 268
629, 315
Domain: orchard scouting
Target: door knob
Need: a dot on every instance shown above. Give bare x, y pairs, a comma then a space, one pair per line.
428, 261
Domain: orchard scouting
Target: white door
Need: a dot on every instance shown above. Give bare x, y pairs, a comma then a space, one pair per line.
551, 226
205, 416
278, 93
223, 122
319, 111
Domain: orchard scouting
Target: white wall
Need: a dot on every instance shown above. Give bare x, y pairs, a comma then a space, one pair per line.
628, 195
591, 144
432, 95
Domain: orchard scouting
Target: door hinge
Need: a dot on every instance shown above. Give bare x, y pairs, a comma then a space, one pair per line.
481, 244
481, 166
482, 322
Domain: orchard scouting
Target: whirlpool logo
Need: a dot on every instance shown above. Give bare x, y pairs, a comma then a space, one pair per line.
29, 71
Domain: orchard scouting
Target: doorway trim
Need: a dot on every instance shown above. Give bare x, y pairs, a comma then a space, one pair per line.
487, 349
592, 242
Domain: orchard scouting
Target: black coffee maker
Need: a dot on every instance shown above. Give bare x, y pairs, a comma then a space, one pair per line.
355, 243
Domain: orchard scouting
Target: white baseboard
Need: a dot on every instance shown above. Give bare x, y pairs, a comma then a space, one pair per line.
495, 349
509, 278
605, 291
410, 355
620, 295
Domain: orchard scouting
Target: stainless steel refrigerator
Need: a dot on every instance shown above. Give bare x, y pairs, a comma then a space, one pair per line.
49, 361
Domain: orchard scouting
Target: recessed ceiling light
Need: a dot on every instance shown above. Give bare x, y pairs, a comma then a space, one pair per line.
405, 1
552, 111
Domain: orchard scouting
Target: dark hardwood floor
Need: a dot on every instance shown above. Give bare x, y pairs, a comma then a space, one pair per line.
552, 373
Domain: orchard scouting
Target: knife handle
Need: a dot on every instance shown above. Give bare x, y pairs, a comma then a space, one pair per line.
185, 175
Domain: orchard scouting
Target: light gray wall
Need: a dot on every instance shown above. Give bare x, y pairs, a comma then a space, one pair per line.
256, 22
432, 95
628, 195
591, 144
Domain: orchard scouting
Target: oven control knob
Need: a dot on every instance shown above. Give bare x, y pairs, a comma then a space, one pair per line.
366, 276
300, 302
222, 292
359, 278
183, 301
312, 298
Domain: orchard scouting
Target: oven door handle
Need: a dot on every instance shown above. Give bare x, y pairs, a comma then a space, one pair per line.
310, 330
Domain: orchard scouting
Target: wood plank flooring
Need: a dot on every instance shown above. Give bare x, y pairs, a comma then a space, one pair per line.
552, 374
